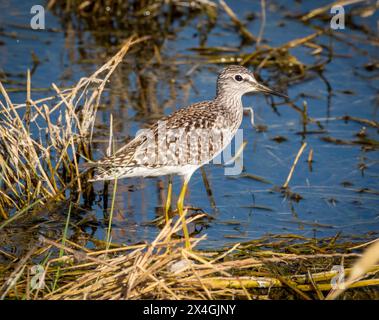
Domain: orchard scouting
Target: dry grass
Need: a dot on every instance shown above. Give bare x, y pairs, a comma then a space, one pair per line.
364, 265
165, 270
38, 167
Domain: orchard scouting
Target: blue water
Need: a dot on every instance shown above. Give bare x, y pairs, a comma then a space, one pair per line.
328, 206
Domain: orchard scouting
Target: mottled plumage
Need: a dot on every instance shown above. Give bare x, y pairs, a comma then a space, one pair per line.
188, 138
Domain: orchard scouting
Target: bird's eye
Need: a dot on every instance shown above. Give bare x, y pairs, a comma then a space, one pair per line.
238, 77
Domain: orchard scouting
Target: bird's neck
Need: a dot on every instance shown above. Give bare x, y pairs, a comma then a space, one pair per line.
230, 105
230, 100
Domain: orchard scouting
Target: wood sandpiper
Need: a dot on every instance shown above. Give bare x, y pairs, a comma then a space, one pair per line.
185, 140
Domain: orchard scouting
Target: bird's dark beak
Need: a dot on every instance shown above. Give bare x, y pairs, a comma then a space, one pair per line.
267, 90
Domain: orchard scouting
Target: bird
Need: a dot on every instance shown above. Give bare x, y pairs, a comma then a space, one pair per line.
182, 142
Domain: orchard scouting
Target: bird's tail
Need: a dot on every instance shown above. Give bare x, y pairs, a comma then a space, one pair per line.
101, 172
85, 166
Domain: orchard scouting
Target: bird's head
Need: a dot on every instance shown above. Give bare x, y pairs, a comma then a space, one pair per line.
237, 80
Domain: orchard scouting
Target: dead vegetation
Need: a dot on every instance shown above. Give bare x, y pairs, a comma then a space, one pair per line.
42, 142
278, 267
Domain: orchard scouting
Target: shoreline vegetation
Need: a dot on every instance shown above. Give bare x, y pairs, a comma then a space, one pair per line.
38, 171
277, 267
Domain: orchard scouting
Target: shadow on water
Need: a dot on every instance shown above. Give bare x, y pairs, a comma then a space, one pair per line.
331, 77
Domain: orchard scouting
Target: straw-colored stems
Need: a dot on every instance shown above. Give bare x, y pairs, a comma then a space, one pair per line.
246, 34
61, 251
285, 185
109, 230
360, 268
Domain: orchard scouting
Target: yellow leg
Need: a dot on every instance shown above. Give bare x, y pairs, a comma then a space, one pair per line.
181, 213
168, 199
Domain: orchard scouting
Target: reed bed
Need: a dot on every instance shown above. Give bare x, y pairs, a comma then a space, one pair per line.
163, 269
42, 141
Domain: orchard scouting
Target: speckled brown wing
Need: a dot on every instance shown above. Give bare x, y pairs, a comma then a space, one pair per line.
184, 141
